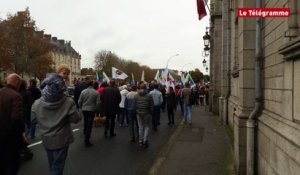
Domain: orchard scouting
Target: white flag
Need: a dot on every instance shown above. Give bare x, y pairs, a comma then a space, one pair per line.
143, 76
118, 74
105, 77
164, 73
171, 77
182, 79
157, 76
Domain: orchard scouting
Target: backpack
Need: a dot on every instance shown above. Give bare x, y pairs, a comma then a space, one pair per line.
192, 99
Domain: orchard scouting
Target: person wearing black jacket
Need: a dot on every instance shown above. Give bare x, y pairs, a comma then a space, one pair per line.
35, 94
110, 100
171, 103
27, 102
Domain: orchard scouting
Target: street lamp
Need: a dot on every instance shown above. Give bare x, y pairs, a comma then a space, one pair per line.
206, 39
184, 66
204, 62
181, 70
205, 53
170, 59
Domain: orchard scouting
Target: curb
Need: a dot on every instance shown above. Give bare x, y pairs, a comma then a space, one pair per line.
162, 155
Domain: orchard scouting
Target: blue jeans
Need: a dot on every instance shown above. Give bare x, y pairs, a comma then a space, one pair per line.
122, 116
32, 130
188, 113
56, 160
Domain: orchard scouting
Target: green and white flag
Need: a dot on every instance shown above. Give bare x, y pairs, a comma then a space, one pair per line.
105, 77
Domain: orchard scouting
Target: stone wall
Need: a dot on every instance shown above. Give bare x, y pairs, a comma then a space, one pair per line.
215, 58
279, 129
278, 136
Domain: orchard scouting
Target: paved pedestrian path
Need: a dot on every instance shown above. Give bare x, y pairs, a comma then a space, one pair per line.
203, 148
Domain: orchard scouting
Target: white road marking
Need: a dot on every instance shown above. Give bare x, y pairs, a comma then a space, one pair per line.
39, 142
33, 144
74, 130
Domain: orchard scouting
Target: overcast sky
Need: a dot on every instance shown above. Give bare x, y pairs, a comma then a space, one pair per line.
146, 31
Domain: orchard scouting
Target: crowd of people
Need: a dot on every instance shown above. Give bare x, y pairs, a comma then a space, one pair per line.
137, 106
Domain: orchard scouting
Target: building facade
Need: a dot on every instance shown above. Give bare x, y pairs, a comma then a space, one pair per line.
233, 76
64, 53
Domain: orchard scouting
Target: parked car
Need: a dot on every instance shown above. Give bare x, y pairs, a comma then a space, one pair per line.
71, 91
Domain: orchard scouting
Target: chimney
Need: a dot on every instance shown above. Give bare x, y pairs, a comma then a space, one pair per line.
48, 37
39, 34
54, 39
61, 41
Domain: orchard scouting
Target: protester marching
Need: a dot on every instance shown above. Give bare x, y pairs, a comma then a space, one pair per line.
137, 105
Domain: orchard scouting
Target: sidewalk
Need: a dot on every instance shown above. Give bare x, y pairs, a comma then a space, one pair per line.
200, 149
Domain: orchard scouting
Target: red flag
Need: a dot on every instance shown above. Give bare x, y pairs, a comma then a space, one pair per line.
201, 9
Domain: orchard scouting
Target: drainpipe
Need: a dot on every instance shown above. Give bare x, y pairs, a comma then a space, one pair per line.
252, 120
293, 26
228, 66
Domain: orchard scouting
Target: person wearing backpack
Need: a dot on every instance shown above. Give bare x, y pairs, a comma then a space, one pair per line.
188, 100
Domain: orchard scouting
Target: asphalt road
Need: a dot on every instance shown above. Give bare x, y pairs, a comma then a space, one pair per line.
108, 156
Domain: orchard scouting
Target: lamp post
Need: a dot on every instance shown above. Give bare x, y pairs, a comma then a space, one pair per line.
205, 53
204, 62
171, 58
184, 66
206, 39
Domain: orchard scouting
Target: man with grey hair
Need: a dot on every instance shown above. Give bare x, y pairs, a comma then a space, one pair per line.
11, 125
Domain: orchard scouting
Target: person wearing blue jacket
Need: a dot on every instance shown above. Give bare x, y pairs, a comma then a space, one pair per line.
131, 110
158, 100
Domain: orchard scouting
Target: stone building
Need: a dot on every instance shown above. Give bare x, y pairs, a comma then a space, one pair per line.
258, 68
64, 53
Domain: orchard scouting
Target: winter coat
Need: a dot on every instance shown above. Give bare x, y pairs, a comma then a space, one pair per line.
27, 102
157, 97
34, 92
129, 101
185, 95
110, 100
55, 120
89, 99
11, 112
123, 93
171, 100
143, 103
53, 88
